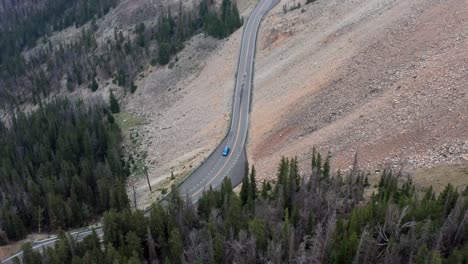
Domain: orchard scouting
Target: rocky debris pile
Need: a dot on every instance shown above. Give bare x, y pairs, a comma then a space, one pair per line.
456, 152
384, 78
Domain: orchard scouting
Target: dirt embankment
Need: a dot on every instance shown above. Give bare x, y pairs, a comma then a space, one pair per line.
185, 106
388, 79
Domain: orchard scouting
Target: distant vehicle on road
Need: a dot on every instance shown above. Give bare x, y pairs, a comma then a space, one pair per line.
226, 151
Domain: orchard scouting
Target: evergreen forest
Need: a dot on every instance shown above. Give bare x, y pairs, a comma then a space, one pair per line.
320, 217
84, 61
60, 167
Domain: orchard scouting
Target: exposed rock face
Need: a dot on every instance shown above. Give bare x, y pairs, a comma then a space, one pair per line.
388, 79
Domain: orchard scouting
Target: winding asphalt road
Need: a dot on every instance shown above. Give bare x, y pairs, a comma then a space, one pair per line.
216, 167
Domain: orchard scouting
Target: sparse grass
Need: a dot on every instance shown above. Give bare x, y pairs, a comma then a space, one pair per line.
134, 155
126, 121
442, 175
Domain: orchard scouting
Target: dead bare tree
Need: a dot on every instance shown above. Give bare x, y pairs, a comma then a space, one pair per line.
317, 245
273, 254
304, 254
363, 248
450, 233
241, 250
199, 247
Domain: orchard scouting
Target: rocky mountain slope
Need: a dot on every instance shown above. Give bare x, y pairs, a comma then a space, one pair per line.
386, 79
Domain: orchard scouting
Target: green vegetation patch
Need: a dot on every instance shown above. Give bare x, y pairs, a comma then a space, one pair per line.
127, 121
440, 176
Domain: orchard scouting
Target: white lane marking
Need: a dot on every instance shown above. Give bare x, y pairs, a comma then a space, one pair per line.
240, 69
240, 111
53, 240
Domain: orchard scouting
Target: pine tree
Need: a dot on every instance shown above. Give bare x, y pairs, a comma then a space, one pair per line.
203, 9
164, 53
176, 246
314, 159
326, 167
264, 190
218, 249
234, 215
294, 173
285, 223
245, 189
133, 245
30, 255
285, 233
253, 184
114, 104
133, 87
366, 182
158, 226
94, 85
283, 171
318, 163
226, 190
140, 31
257, 228
283, 185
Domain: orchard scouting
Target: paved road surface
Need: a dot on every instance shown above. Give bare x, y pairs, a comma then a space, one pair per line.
216, 166
50, 242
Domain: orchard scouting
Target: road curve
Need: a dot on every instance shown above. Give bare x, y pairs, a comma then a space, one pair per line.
216, 167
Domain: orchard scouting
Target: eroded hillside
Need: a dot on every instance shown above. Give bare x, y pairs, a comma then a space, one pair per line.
388, 79
384, 78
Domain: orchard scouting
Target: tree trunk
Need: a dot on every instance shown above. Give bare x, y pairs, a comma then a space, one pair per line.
134, 195
147, 179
